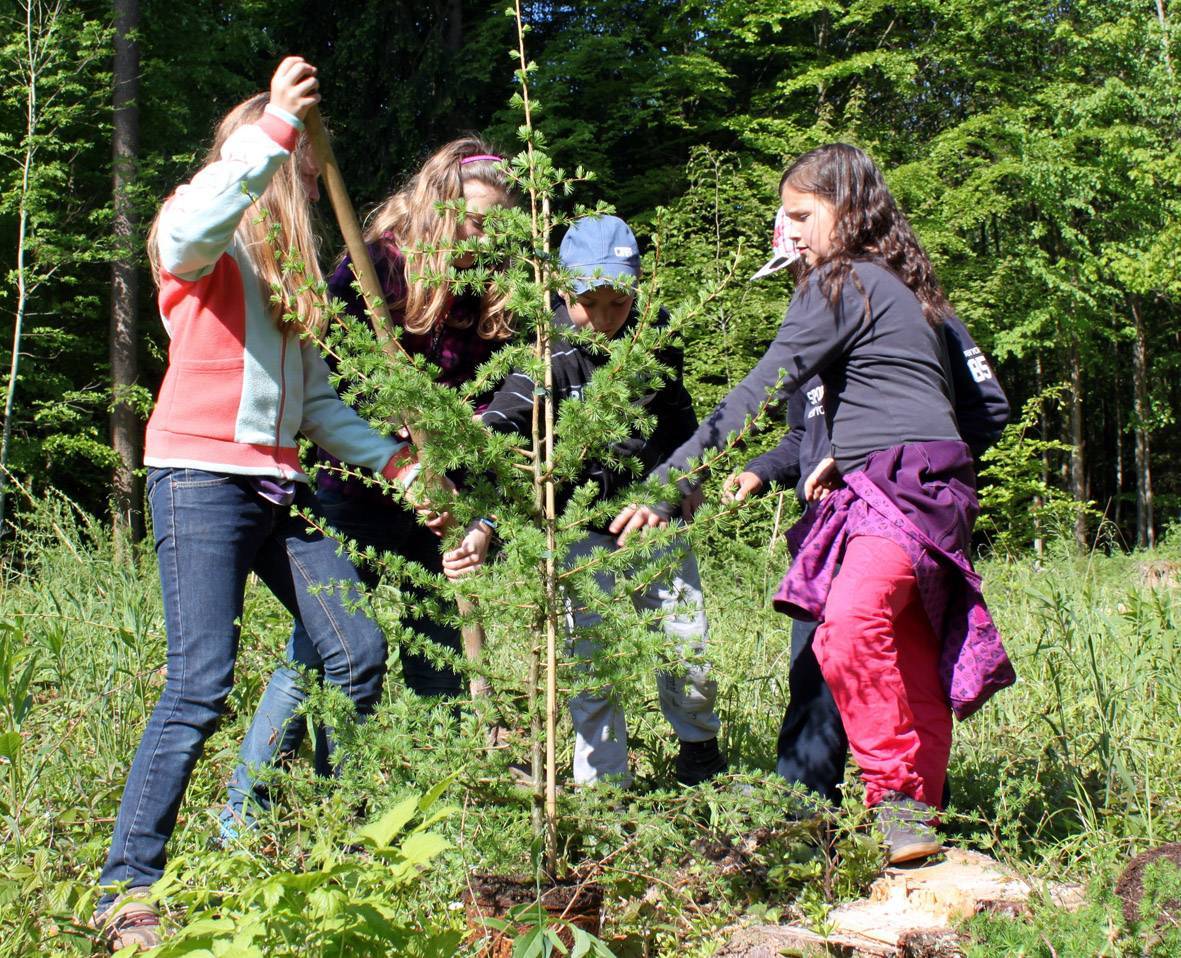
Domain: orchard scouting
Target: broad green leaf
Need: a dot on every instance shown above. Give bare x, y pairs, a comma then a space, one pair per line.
436, 791
383, 831
10, 745
423, 846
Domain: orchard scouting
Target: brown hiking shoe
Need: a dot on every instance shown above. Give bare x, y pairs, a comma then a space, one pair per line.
905, 824
132, 919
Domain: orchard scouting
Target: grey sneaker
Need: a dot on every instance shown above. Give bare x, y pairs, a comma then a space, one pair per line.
132, 919
905, 824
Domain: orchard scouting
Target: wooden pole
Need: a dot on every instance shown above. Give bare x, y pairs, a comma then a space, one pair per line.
354, 239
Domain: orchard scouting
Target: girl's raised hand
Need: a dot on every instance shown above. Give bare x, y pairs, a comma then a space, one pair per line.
739, 486
294, 87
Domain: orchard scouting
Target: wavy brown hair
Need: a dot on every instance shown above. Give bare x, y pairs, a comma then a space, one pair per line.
867, 223
425, 233
286, 204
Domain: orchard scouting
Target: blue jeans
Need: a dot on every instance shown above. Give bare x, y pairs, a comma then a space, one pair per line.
211, 531
277, 729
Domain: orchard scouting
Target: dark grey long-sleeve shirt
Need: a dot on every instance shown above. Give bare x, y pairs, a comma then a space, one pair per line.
884, 374
981, 411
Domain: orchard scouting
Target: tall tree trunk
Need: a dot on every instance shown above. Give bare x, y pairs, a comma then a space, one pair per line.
824, 109
1164, 24
453, 10
1078, 470
1039, 541
125, 424
1117, 511
1145, 534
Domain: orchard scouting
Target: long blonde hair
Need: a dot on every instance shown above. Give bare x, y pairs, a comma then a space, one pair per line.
286, 206
413, 218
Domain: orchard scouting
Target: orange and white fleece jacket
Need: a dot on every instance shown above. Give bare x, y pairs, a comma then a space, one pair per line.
240, 385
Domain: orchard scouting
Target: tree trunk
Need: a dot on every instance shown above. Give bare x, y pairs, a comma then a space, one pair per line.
1164, 25
1078, 471
125, 424
1145, 534
454, 15
1039, 541
824, 109
1117, 511
32, 117
544, 491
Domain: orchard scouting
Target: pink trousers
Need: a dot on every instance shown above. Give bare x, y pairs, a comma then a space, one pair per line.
880, 658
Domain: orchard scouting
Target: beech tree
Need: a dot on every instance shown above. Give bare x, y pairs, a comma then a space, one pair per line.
126, 425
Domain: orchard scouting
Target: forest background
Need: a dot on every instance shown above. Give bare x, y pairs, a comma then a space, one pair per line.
1035, 147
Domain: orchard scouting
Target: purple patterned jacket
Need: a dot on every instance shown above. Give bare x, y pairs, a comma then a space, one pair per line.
923, 497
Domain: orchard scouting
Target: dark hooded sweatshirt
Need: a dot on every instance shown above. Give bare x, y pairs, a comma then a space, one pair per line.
511, 408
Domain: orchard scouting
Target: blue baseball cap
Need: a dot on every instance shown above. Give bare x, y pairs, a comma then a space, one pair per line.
600, 250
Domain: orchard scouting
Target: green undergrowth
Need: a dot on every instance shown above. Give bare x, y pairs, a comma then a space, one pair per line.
1062, 777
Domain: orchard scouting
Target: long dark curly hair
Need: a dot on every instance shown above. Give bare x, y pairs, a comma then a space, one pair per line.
867, 224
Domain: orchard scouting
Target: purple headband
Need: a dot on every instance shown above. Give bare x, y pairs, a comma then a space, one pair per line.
483, 156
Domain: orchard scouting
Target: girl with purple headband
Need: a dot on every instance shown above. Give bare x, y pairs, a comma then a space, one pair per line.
408, 237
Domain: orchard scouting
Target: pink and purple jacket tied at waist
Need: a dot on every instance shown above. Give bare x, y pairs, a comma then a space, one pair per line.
921, 496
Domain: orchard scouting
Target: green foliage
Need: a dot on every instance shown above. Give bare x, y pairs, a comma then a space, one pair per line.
1036, 152
342, 900
54, 186
1018, 504
1063, 777
720, 226
1159, 908
1050, 932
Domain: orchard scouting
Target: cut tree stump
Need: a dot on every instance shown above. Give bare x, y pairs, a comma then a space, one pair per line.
909, 913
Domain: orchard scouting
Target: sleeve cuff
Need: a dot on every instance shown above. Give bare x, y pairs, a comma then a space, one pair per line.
403, 466
281, 127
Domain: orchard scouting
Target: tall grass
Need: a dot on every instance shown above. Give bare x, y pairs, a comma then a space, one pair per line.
1064, 775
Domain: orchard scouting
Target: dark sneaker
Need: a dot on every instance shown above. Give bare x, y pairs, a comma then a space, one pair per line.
698, 762
905, 824
132, 919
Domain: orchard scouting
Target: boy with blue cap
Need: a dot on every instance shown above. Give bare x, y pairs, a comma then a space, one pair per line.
602, 254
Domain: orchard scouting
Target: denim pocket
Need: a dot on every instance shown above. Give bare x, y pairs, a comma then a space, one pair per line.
199, 478
155, 474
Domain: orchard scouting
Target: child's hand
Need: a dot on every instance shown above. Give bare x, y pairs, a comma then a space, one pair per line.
634, 518
469, 555
294, 87
437, 521
739, 486
824, 479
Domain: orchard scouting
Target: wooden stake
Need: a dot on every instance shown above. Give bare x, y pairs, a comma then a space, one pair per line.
383, 327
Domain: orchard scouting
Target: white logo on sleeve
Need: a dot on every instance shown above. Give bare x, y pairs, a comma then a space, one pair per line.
815, 399
977, 365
